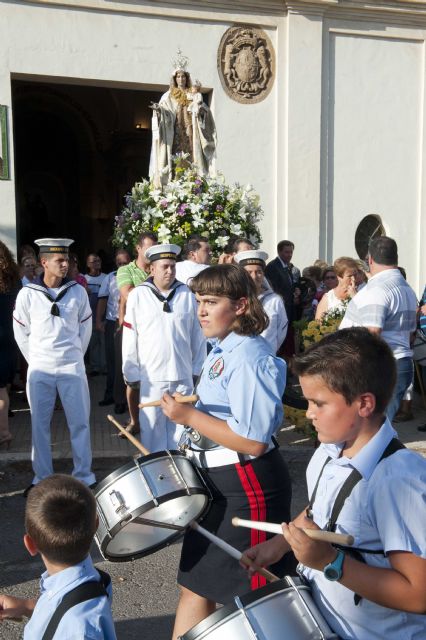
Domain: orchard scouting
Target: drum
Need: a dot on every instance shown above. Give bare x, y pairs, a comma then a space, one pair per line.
163, 487
283, 610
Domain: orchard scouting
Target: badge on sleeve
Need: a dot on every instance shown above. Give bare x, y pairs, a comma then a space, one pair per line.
216, 369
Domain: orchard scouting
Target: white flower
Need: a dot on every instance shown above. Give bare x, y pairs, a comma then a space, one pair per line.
222, 241
235, 229
197, 221
163, 233
195, 207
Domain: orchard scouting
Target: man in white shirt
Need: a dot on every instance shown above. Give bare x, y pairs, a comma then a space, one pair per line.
387, 306
95, 277
163, 345
52, 327
107, 313
197, 254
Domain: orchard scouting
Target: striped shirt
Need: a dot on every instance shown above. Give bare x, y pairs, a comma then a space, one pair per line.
130, 274
388, 303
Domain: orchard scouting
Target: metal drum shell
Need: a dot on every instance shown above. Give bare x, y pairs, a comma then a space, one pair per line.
134, 483
269, 622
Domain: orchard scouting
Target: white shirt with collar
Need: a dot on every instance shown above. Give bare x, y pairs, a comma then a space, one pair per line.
382, 512
387, 302
159, 345
188, 269
49, 341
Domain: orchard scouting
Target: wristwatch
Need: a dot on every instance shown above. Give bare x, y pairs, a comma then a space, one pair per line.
334, 570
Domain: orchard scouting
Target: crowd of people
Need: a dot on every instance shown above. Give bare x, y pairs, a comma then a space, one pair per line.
168, 324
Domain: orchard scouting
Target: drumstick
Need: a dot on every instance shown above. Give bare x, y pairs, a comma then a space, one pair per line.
314, 534
129, 436
180, 399
233, 552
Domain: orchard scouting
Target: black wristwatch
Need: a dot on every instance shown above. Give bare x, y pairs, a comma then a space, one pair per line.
334, 570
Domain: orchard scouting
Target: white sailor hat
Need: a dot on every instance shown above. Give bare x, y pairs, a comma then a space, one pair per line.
251, 257
162, 252
53, 245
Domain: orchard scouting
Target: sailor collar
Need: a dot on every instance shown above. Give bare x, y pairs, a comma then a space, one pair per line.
40, 285
149, 283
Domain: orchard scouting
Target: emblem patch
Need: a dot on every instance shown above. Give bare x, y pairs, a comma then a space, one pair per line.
216, 369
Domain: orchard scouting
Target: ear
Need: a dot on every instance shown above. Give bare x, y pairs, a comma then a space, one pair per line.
241, 306
30, 545
367, 405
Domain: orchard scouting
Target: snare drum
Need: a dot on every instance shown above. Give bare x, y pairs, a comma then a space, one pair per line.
283, 610
163, 487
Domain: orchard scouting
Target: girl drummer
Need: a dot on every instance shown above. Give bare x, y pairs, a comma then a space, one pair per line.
254, 262
238, 412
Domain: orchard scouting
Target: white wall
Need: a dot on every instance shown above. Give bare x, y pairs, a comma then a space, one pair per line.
137, 50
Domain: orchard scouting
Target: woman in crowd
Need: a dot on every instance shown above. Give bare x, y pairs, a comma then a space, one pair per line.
9, 286
238, 411
254, 262
346, 270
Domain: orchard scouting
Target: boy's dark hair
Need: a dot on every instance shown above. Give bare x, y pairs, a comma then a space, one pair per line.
60, 517
351, 362
233, 282
383, 250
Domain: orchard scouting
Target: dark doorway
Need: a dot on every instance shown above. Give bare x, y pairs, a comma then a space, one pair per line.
78, 151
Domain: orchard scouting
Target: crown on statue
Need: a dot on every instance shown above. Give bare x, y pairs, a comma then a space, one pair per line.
247, 37
180, 63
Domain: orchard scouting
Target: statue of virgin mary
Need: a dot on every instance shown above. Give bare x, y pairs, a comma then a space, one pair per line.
181, 123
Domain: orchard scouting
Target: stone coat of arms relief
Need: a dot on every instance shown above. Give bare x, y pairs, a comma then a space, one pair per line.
246, 64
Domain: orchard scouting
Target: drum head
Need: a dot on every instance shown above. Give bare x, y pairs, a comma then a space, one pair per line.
126, 544
163, 487
273, 612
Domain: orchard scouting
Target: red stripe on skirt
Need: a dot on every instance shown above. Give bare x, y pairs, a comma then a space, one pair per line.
256, 500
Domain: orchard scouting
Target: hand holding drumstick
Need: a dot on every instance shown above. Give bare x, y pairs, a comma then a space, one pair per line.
311, 545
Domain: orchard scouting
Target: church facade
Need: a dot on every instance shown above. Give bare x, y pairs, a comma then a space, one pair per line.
318, 104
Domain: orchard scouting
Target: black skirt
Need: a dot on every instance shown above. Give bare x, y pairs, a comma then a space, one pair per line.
258, 489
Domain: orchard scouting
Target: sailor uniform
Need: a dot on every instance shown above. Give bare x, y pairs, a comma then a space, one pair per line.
242, 384
163, 348
274, 308
53, 332
272, 303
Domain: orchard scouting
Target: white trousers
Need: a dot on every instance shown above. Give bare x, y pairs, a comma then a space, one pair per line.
74, 394
157, 431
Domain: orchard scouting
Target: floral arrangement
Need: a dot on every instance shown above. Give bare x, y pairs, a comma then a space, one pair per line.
189, 204
315, 330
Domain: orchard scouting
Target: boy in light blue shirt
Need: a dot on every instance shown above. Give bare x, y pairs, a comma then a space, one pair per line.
60, 522
362, 481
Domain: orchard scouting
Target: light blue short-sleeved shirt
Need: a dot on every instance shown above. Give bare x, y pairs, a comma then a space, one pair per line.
91, 620
243, 383
384, 511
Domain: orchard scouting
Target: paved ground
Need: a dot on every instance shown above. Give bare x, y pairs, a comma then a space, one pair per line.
145, 592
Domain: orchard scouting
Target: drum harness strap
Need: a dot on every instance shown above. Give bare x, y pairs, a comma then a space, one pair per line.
344, 493
86, 591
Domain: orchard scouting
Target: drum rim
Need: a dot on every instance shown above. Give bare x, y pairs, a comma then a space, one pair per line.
141, 554
110, 533
133, 464
246, 599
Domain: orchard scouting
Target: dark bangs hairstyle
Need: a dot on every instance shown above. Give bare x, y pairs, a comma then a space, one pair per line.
352, 362
233, 282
